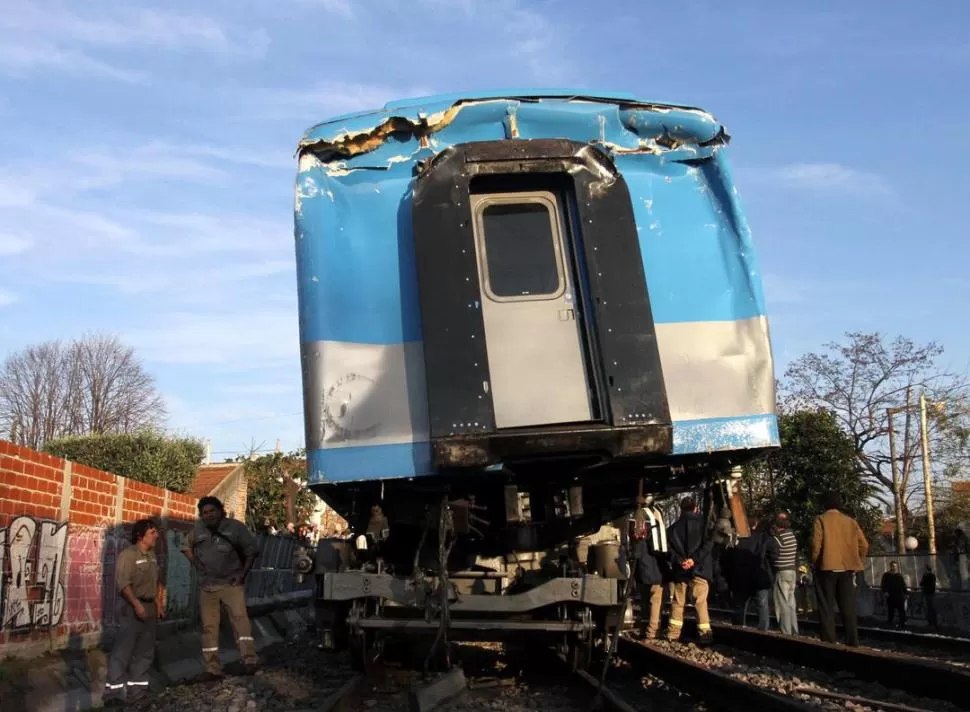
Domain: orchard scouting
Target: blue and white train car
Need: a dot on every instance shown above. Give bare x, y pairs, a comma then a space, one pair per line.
522, 309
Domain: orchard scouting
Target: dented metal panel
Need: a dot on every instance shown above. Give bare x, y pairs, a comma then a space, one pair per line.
359, 309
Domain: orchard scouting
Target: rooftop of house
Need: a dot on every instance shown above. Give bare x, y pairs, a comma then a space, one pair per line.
211, 476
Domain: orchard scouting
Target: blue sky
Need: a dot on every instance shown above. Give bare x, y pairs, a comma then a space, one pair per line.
146, 171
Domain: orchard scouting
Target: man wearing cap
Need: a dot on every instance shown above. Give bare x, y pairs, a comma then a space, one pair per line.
784, 561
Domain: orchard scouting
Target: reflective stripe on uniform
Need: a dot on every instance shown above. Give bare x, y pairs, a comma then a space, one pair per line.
210, 650
114, 687
676, 623
704, 626
245, 637
140, 684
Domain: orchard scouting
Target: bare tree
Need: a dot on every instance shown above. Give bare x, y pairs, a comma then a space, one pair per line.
92, 386
859, 380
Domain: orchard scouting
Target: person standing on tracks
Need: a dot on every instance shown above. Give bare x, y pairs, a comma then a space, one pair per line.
223, 552
749, 574
928, 585
894, 588
784, 561
649, 551
142, 604
691, 570
837, 552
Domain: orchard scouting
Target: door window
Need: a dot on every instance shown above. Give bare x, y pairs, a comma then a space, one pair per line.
521, 244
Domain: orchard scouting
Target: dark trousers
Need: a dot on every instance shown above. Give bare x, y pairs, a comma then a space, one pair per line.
760, 599
835, 589
132, 653
896, 605
931, 609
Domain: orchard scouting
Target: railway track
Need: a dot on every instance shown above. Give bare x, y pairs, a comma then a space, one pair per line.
894, 671
746, 670
887, 638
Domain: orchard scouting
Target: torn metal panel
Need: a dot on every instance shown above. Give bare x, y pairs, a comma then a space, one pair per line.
633, 126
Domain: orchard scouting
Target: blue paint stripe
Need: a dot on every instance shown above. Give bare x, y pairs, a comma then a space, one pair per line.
357, 277
381, 462
369, 462
356, 271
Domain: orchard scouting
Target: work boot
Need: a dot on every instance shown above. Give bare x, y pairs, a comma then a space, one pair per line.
705, 637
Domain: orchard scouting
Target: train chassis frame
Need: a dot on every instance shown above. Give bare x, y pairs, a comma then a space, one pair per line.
370, 606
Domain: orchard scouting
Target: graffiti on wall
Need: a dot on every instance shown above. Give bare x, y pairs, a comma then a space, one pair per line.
178, 575
32, 592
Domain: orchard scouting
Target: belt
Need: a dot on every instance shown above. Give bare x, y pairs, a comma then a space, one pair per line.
147, 600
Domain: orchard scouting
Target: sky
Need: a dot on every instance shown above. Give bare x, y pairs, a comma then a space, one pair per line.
147, 171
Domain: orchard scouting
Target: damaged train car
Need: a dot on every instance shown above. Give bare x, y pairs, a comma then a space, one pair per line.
519, 312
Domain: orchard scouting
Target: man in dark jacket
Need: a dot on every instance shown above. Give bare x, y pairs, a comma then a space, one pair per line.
691, 569
894, 587
649, 552
749, 575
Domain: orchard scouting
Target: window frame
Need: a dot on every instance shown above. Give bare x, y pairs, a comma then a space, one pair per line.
553, 210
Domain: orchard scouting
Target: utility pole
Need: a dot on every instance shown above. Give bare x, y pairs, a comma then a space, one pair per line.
927, 486
897, 494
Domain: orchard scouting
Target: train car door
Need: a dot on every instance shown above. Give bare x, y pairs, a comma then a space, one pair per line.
530, 309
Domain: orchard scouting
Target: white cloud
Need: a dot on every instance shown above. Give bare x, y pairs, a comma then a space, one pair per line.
833, 177
176, 282
322, 100
14, 244
7, 298
39, 36
249, 337
259, 389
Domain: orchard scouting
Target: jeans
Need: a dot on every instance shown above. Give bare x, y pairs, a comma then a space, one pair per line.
785, 607
761, 598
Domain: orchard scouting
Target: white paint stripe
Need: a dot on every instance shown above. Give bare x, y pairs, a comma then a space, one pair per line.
717, 369
373, 394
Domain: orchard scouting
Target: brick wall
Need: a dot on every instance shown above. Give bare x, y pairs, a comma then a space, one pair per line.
61, 527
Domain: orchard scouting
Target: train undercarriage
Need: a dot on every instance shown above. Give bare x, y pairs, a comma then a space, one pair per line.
520, 556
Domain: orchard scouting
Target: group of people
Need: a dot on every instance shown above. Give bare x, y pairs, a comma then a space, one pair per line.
895, 588
757, 569
223, 551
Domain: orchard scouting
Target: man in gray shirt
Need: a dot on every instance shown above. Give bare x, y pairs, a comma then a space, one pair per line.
223, 552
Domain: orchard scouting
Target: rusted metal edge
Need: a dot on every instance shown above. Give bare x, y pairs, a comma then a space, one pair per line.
706, 684
917, 676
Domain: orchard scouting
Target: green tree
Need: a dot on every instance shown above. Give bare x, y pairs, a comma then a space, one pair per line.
272, 480
858, 380
815, 458
170, 463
